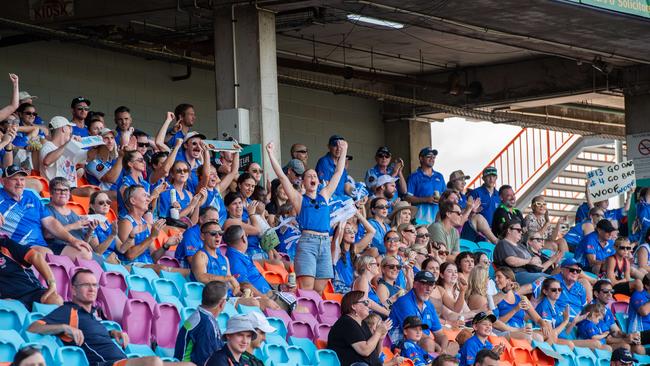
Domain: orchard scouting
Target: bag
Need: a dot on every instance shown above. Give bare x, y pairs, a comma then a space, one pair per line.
269, 240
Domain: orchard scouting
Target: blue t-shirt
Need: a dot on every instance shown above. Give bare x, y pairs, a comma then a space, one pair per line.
98, 345
591, 245
189, 245
23, 218
575, 234
417, 354
470, 348
422, 185
165, 201
638, 299
314, 214
517, 320
178, 135
325, 169
576, 297
489, 202
80, 131
406, 306
343, 274
553, 314
608, 319
587, 329
198, 338
378, 239
643, 219
244, 270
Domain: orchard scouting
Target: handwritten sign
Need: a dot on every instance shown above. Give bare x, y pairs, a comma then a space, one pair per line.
611, 181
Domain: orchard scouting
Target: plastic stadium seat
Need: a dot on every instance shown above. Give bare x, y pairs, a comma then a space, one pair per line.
309, 304
310, 294
169, 262
330, 308
147, 273
43, 308
30, 318
62, 279
70, 356
327, 357
45, 192
192, 293
643, 359
604, 357
111, 325
229, 309
111, 216
138, 283
144, 296
320, 344
245, 309
485, 245
12, 314
222, 320
279, 269
278, 324
322, 331
388, 354
273, 278
175, 277
623, 321
10, 342
308, 346
139, 350
622, 297
46, 351
620, 307
91, 265
77, 208
467, 245
137, 321
584, 356
305, 318
166, 322
521, 352
541, 359
333, 296
300, 329
113, 279
186, 313
112, 301
276, 339
116, 268
278, 314
165, 353
276, 353
297, 356
172, 301
567, 353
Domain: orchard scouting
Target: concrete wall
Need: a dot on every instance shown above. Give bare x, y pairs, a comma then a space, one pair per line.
58, 72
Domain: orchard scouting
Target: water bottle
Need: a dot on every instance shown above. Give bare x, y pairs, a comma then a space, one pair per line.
173, 211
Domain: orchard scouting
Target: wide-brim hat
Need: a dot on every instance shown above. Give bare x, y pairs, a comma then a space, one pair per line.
402, 205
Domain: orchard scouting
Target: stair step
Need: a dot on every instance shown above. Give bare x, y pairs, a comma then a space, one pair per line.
607, 150
566, 187
590, 163
572, 174
564, 200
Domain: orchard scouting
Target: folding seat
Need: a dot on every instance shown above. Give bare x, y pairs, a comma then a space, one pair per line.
309, 304
306, 345
306, 318
147, 273
46, 351
278, 314
521, 352
321, 332
139, 350
245, 309
12, 314
60, 259
91, 265
62, 279
77, 208
144, 296
10, 342
229, 309
43, 308
467, 245
485, 245
70, 356
113, 279
277, 268
116, 268
279, 325
277, 354
273, 278
333, 296
619, 307
222, 320
137, 321
604, 357
186, 313
274, 338
111, 325
622, 297
310, 294
192, 293
567, 353
330, 312
166, 323
175, 277
169, 262
623, 321
112, 301
297, 356
539, 356
300, 329
585, 357
138, 283
327, 357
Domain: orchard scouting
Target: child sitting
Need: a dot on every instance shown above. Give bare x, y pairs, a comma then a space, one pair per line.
371, 321
410, 346
588, 328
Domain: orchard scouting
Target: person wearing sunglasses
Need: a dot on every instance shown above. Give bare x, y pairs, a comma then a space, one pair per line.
446, 230
300, 152
349, 248
388, 290
366, 268
28, 129
603, 294
508, 253
506, 212
534, 244
195, 153
384, 166
208, 264
178, 197
554, 315
639, 311
108, 242
574, 293
379, 213
80, 107
394, 247
575, 234
425, 186
538, 222
618, 268
594, 248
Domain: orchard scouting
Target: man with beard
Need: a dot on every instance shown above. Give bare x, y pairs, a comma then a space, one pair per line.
384, 187
123, 124
192, 151
416, 302
384, 167
506, 211
80, 107
185, 118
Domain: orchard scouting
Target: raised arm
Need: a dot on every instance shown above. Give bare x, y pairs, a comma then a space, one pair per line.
336, 177
162, 133
362, 244
232, 174
11, 107
294, 196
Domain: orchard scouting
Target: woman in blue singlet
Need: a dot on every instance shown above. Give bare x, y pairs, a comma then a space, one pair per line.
313, 261
556, 317
105, 231
348, 249
388, 290
133, 174
186, 203
365, 269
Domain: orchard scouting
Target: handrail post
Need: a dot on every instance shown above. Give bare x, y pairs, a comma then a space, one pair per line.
548, 149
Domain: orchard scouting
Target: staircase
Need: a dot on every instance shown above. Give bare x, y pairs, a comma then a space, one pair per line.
550, 163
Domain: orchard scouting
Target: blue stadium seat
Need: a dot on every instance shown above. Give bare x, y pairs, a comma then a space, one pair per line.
276, 353
279, 325
70, 356
222, 320
485, 245
50, 341
308, 346
139, 350
585, 357
298, 356
10, 342
147, 273
192, 292
43, 308
165, 288
12, 314
567, 353
165, 352
467, 245
643, 359
139, 283
244, 309
274, 338
109, 267
32, 317
603, 357
175, 277
111, 325
46, 351
623, 321
169, 359
327, 357
186, 312
229, 309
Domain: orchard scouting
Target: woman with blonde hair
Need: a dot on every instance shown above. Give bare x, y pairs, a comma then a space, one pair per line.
476, 296
387, 288
366, 269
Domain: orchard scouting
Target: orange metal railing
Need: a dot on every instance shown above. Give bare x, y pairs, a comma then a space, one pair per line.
526, 157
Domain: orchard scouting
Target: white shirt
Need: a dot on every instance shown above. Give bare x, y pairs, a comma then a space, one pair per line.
64, 166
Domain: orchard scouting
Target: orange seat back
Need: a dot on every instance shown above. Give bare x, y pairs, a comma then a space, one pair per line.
45, 185
273, 278
621, 297
160, 239
321, 344
542, 359
333, 296
387, 353
76, 208
259, 266
83, 201
111, 216
277, 268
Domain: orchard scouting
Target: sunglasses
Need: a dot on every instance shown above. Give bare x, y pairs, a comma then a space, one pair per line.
83, 108
350, 231
420, 236
456, 212
301, 151
536, 239
30, 114
412, 231
257, 171
213, 232
392, 240
575, 270
392, 266
610, 291
316, 205
102, 203
182, 171
383, 156
365, 302
556, 289
381, 207
518, 229
540, 204
143, 144
443, 252
625, 248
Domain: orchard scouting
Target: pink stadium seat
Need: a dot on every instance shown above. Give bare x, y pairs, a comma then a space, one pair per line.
310, 294
300, 329
169, 262
137, 321
306, 318
112, 301
60, 259
165, 325
144, 296
113, 280
62, 278
322, 331
91, 265
330, 309
309, 304
278, 314
619, 307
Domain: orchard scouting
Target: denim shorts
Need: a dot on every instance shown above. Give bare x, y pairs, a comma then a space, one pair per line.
314, 257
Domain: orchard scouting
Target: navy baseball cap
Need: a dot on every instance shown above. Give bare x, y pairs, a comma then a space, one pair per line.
479, 317
384, 150
424, 276
623, 355
414, 321
570, 262
428, 150
78, 100
333, 139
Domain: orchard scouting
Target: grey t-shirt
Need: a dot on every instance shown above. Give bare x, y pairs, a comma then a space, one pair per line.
505, 249
56, 244
439, 235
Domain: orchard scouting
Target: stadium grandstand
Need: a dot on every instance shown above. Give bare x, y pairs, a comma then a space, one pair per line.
250, 183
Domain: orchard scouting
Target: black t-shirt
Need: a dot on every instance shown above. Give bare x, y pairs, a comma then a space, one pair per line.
502, 216
16, 278
343, 334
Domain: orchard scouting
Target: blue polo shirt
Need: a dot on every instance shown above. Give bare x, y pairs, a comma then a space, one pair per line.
638, 299
378, 238
244, 270
98, 345
325, 169
189, 245
80, 131
591, 245
576, 297
587, 329
198, 338
552, 314
608, 319
16, 277
178, 135
489, 202
23, 218
406, 306
470, 348
422, 185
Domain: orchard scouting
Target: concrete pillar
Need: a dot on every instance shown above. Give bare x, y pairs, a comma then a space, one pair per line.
637, 110
406, 137
246, 69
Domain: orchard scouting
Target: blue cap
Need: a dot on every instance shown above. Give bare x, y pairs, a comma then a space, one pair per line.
569, 262
428, 150
334, 139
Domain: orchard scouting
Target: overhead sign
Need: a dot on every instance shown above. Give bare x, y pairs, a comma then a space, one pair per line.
638, 150
634, 7
611, 181
46, 10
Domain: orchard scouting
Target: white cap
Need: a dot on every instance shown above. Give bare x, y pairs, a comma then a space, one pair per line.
194, 134
58, 122
25, 95
383, 179
105, 130
259, 322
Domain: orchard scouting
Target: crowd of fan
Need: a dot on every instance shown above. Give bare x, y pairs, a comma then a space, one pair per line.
390, 244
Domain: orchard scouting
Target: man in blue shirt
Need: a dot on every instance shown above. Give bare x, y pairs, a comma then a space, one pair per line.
80, 107
488, 194
200, 335
185, 118
384, 167
425, 186
594, 248
416, 302
573, 292
326, 166
23, 216
639, 311
191, 242
482, 325
603, 291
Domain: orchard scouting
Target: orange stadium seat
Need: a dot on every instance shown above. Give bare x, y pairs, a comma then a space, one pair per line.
84, 201
273, 277
45, 185
76, 208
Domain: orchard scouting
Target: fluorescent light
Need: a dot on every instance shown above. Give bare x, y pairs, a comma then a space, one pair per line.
375, 21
